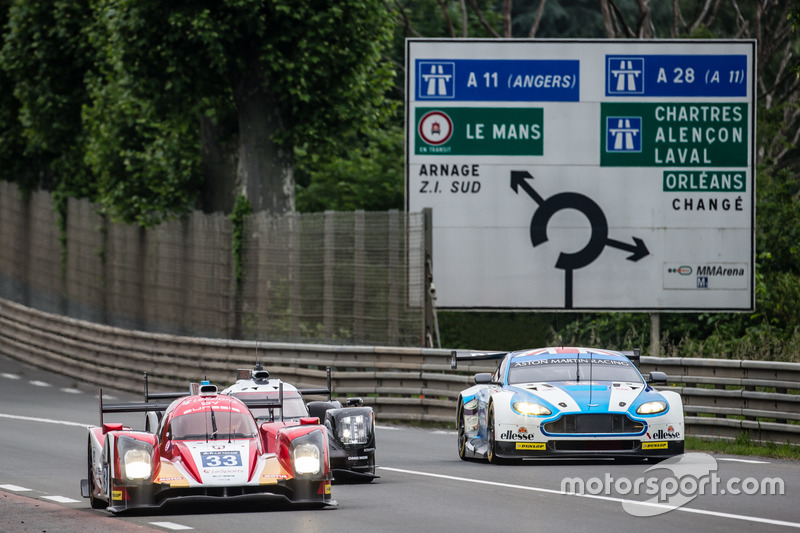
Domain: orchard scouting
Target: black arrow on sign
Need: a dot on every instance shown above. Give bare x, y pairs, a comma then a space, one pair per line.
597, 220
638, 249
519, 179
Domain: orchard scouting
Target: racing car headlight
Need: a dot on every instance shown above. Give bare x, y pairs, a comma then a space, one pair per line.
306, 458
530, 408
137, 464
651, 408
136, 459
353, 429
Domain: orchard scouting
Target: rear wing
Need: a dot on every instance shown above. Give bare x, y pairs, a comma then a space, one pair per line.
466, 355
194, 390
148, 404
132, 407
260, 374
163, 399
633, 355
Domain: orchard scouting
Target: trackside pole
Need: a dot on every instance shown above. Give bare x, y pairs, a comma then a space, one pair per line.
655, 334
430, 322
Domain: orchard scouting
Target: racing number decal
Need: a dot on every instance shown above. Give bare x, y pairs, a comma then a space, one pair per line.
211, 459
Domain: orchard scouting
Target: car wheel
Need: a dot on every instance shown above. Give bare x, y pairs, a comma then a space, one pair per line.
96, 503
462, 432
490, 443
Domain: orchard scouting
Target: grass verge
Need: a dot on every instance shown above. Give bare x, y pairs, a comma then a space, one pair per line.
742, 445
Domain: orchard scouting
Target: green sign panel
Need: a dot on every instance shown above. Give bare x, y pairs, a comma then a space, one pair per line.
479, 131
703, 181
677, 135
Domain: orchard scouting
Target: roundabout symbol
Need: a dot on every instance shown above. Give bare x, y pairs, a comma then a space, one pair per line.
598, 240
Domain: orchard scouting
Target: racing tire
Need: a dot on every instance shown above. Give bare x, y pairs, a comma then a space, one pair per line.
96, 503
462, 432
491, 456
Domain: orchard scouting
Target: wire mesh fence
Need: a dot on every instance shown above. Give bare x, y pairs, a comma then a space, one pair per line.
334, 276
340, 278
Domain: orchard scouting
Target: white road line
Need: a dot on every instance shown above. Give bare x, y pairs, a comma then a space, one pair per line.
36, 383
60, 499
756, 519
46, 420
10, 376
170, 525
734, 460
71, 391
14, 488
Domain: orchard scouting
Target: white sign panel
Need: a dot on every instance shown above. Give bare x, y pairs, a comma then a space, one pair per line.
585, 175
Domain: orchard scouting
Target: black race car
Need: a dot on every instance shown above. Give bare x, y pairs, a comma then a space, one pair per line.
351, 428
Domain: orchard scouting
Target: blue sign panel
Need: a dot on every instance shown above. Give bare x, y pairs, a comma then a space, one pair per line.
508, 80
624, 134
676, 75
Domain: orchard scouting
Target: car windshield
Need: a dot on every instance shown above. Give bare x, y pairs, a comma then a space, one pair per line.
570, 368
213, 424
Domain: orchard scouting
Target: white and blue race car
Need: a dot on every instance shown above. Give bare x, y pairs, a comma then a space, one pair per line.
566, 402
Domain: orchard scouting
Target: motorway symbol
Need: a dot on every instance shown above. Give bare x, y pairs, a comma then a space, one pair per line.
625, 75
436, 79
598, 240
624, 134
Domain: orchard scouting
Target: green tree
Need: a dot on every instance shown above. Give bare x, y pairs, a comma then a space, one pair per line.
368, 174
14, 165
44, 59
260, 76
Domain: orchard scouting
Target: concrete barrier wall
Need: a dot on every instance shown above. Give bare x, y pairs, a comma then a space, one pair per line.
722, 398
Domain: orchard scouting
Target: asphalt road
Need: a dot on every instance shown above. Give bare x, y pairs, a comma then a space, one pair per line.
424, 486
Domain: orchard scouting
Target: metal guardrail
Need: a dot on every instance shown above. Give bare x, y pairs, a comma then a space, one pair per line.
722, 398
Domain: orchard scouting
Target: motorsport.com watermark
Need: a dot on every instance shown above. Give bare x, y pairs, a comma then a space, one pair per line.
682, 479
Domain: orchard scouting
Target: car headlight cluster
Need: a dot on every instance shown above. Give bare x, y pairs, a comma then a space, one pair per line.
353, 429
306, 459
531, 408
307, 454
136, 458
651, 408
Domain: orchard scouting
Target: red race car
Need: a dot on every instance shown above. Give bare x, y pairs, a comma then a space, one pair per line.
204, 445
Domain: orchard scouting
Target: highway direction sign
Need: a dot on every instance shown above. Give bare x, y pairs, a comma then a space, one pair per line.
585, 175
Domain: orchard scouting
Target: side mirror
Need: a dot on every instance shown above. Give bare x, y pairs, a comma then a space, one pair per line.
658, 378
482, 378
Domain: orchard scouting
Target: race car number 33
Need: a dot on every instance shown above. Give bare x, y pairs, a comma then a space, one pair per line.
211, 459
